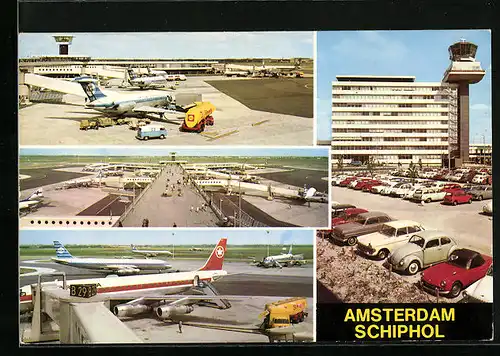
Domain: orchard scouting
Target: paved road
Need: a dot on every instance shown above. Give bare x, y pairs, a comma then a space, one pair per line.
165, 211
40, 177
299, 177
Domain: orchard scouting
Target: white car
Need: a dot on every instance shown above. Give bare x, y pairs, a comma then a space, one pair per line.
402, 190
456, 177
429, 194
392, 235
377, 189
479, 178
480, 291
387, 189
488, 208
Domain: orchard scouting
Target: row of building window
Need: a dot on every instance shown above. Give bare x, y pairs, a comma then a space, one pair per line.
391, 148
384, 105
392, 139
378, 113
386, 88
390, 97
445, 131
388, 122
391, 157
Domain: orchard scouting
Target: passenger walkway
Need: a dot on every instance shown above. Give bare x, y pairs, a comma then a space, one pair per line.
184, 211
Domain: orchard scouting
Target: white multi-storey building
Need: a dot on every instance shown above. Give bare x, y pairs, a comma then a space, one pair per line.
393, 119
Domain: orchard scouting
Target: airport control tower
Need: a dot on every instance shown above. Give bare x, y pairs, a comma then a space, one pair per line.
463, 70
64, 41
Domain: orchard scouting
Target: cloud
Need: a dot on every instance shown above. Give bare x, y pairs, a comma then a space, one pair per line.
480, 107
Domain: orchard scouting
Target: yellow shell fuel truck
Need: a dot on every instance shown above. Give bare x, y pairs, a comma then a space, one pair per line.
198, 116
284, 313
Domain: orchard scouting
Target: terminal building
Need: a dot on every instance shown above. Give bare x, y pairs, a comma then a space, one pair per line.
397, 120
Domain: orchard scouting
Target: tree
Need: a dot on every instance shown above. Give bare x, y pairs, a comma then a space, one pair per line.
370, 166
412, 172
420, 163
340, 163
399, 166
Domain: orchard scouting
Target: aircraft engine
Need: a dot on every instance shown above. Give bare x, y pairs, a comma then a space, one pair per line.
130, 310
127, 271
166, 312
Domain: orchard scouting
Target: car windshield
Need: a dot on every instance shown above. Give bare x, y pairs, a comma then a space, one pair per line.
459, 261
417, 240
360, 220
388, 231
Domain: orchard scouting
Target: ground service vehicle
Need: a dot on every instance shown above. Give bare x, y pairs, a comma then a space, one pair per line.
365, 223
392, 235
283, 313
463, 268
89, 124
198, 117
151, 131
457, 197
422, 250
134, 124
105, 121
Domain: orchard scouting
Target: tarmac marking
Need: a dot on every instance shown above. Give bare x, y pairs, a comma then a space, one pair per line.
108, 205
223, 135
260, 122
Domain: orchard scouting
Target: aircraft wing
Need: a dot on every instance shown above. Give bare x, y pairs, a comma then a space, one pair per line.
122, 268
154, 110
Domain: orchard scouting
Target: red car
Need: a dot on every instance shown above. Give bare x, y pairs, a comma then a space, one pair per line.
455, 197
451, 187
361, 184
346, 181
347, 216
463, 268
368, 186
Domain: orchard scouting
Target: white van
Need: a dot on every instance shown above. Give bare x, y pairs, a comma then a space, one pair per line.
151, 131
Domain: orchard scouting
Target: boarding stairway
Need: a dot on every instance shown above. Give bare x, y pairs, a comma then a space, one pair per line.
209, 290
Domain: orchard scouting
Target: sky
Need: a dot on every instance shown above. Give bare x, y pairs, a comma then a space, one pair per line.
164, 151
174, 45
423, 54
167, 236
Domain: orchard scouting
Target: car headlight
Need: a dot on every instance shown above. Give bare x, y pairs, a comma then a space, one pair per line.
443, 284
402, 262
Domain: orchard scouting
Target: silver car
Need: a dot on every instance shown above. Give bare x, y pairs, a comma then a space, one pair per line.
422, 250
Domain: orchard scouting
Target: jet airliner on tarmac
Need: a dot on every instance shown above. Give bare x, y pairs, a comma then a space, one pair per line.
151, 253
148, 292
286, 259
120, 266
32, 201
114, 104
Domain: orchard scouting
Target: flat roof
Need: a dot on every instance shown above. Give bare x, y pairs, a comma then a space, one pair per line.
375, 78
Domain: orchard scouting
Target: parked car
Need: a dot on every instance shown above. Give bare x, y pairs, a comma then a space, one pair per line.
428, 195
467, 177
368, 186
377, 189
464, 267
392, 235
480, 177
423, 249
387, 190
401, 191
349, 214
488, 208
338, 209
356, 163
346, 181
481, 192
451, 187
457, 197
480, 291
365, 223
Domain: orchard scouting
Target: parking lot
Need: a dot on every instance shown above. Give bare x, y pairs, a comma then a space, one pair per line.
463, 222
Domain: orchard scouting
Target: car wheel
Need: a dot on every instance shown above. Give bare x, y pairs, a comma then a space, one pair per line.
382, 254
455, 202
480, 197
428, 200
351, 241
162, 137
455, 290
146, 138
470, 201
413, 268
